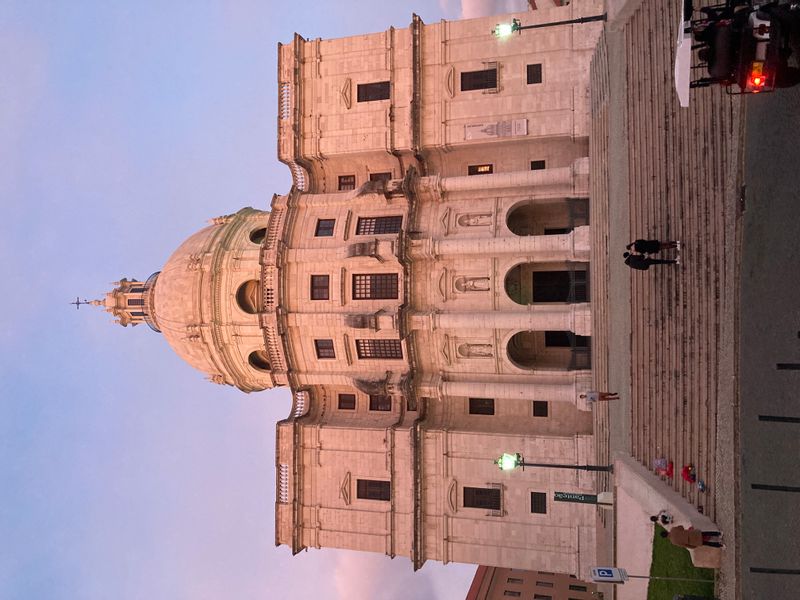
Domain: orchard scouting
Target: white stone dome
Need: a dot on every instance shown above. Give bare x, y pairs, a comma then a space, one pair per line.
195, 301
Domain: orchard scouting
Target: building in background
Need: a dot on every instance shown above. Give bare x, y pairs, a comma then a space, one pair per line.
423, 289
495, 583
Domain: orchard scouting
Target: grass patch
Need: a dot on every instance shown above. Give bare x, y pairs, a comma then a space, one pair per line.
672, 561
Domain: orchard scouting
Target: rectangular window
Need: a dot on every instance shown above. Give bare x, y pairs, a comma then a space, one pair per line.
347, 401
537, 165
347, 182
514, 580
324, 227
137, 314
556, 230
378, 225
380, 402
367, 92
512, 593
540, 408
481, 406
485, 79
372, 489
320, 287
539, 503
544, 584
480, 169
135, 302
381, 286
379, 349
380, 176
535, 73
542, 597
577, 588
324, 348
488, 498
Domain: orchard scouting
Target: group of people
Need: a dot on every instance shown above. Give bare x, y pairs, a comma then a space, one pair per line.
687, 538
640, 251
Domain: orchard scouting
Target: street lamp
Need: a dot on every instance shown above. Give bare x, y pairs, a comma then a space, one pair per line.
509, 462
503, 30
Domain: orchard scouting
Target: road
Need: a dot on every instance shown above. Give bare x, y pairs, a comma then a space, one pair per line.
769, 417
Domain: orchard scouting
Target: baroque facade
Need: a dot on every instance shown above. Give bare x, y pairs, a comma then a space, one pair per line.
422, 289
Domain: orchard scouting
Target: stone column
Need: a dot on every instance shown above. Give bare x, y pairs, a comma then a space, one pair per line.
576, 318
573, 179
572, 246
557, 386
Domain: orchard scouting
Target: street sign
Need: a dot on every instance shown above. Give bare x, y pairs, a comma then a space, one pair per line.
574, 497
609, 575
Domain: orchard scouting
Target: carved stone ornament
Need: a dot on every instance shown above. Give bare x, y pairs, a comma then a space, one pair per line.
472, 284
475, 220
475, 350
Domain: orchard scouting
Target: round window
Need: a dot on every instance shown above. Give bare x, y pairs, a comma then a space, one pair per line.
259, 360
257, 235
248, 296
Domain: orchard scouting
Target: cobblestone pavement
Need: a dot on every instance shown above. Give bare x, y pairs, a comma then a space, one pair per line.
660, 171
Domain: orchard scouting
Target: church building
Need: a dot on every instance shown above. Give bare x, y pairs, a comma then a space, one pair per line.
423, 289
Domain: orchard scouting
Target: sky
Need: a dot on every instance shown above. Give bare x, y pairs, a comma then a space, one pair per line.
124, 474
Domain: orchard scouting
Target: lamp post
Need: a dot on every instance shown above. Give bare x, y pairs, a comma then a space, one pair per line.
509, 462
503, 30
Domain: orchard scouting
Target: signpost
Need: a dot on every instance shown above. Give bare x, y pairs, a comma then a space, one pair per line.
602, 499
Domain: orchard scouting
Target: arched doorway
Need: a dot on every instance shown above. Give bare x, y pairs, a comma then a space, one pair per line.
549, 350
540, 283
543, 217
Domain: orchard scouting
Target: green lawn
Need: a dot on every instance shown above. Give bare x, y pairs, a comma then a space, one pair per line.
672, 561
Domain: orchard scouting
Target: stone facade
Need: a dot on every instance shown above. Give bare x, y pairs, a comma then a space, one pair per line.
423, 289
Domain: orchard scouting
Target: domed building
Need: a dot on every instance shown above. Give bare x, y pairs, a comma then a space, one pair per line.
423, 289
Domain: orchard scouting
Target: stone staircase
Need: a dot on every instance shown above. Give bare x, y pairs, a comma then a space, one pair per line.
682, 173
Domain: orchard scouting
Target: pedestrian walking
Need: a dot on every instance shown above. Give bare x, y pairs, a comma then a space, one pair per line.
652, 246
642, 263
595, 396
692, 538
663, 517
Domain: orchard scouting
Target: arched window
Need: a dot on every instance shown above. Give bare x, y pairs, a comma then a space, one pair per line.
257, 235
536, 283
259, 360
248, 296
549, 350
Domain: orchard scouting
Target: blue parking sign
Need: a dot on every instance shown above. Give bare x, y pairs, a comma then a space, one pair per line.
609, 575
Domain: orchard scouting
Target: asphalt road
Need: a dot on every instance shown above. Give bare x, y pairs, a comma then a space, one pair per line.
769, 417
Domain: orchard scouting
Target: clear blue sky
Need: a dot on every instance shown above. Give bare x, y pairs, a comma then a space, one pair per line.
124, 474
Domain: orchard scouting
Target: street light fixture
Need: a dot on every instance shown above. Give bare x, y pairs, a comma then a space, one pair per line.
509, 462
503, 30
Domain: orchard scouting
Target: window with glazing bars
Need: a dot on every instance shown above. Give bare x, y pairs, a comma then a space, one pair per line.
367, 92
324, 227
324, 348
378, 225
539, 503
373, 489
347, 182
481, 406
380, 286
320, 287
347, 401
485, 169
135, 302
488, 498
379, 349
380, 402
485, 79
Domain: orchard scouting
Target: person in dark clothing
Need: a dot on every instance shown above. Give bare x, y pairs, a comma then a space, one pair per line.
642, 263
652, 246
